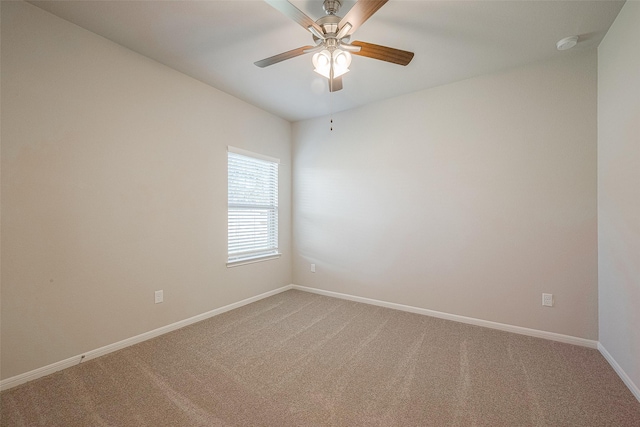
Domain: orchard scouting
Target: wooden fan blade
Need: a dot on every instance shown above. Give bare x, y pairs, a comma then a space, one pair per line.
294, 13
336, 84
282, 56
360, 12
383, 53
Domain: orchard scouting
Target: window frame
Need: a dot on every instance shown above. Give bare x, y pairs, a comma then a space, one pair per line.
234, 260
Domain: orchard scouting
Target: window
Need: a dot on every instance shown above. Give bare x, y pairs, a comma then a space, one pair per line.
252, 207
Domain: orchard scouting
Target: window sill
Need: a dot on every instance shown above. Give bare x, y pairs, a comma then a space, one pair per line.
244, 261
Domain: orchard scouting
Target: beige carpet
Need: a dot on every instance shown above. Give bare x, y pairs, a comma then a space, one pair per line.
299, 359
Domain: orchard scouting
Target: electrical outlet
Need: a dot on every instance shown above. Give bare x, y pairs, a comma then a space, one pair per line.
313, 268
547, 300
159, 295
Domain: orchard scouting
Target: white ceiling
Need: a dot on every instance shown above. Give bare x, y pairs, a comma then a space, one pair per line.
217, 42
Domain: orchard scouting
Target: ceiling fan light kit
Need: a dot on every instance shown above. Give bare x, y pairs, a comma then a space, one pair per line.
334, 63
331, 34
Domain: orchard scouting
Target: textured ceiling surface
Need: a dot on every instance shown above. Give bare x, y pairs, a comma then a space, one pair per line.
217, 42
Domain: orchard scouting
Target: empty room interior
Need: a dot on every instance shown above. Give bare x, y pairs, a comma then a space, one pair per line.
341, 213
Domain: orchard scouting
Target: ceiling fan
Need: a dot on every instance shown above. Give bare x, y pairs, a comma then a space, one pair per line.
332, 34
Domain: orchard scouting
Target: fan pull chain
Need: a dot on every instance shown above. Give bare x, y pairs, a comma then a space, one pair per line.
331, 110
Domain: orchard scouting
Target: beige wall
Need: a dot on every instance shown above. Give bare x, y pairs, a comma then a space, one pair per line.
619, 191
114, 186
471, 199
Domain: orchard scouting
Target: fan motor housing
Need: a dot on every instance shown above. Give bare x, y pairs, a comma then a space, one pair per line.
329, 24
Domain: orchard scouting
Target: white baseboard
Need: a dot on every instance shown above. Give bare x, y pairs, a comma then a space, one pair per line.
57, 366
456, 318
67, 363
621, 373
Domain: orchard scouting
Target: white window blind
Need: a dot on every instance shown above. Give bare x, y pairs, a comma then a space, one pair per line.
252, 206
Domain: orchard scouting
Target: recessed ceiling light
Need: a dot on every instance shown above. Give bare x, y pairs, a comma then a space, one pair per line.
567, 43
